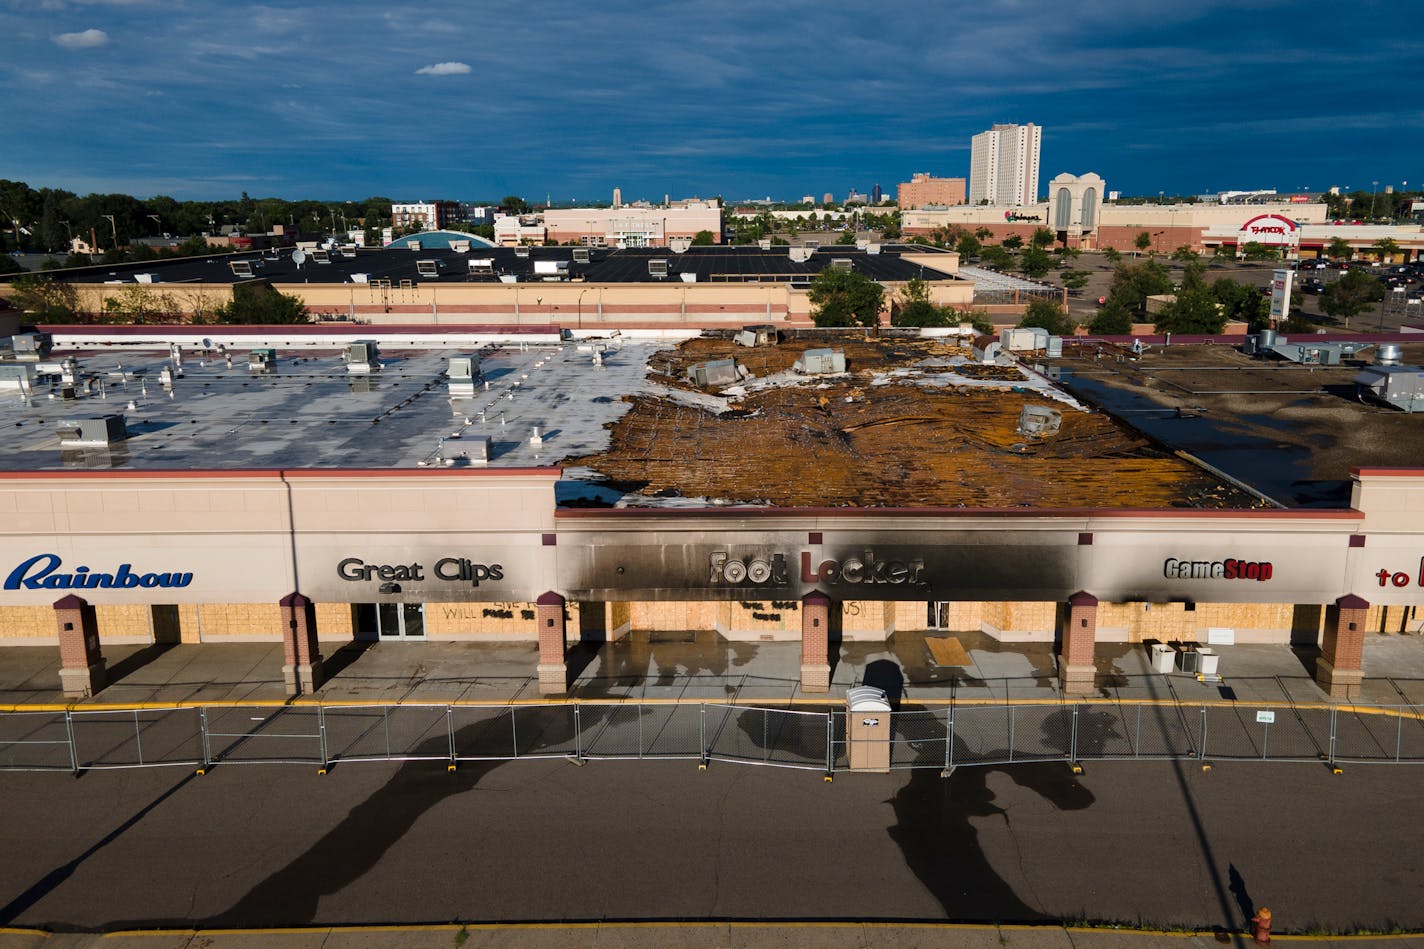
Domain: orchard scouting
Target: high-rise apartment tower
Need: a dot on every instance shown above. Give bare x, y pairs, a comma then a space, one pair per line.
1003, 165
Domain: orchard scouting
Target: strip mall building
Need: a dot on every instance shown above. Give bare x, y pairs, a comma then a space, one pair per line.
314, 558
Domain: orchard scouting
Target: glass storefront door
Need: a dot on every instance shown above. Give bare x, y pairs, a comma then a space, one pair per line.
390, 621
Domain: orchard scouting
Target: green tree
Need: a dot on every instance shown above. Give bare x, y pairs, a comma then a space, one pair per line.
997, 257
1142, 241
846, 239
1133, 283
968, 247
1048, 314
914, 308
258, 303
1041, 237
1351, 295
1223, 252
704, 239
845, 298
44, 299
1386, 247
8, 264
1185, 255
1255, 250
1012, 242
1034, 262
1112, 255
1112, 319
1241, 303
513, 204
1075, 280
1194, 311
1338, 249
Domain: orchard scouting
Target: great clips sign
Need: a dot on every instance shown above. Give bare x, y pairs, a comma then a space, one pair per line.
48, 572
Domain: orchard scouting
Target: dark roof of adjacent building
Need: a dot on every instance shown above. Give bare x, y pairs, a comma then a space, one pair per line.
715, 264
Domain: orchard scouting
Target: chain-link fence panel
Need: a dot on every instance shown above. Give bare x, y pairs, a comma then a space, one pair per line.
767, 736
1387, 733
515, 731
1107, 731
137, 738
919, 739
35, 741
386, 732
288, 734
1166, 730
641, 731
1041, 732
980, 734
1279, 733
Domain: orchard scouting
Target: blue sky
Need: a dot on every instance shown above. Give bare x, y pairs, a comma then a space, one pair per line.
469, 99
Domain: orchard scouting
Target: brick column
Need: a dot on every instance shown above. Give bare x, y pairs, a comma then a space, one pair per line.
81, 664
301, 657
1076, 672
1340, 668
815, 642
553, 669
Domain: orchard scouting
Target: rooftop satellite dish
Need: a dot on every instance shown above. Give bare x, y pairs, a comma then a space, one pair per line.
299, 256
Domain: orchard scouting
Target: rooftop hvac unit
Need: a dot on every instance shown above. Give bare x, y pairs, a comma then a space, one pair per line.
1039, 421
1389, 354
17, 375
477, 449
759, 334
460, 247
321, 256
262, 360
679, 245
144, 278
509, 278
1022, 339
688, 276
92, 432
1399, 386
802, 254
360, 278
413, 245
481, 264
842, 263
554, 268
815, 361
872, 248
363, 355
862, 243
658, 267
764, 243
462, 373
715, 372
522, 250
240, 268
581, 255
427, 268
31, 347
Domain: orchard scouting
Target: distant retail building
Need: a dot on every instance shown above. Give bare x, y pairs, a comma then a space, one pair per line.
629, 226
428, 215
924, 190
1003, 165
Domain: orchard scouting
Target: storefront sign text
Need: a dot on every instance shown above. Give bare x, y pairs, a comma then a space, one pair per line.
1174, 569
772, 571
41, 572
446, 568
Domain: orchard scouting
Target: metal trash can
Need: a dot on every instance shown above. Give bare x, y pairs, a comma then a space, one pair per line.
868, 729
1164, 657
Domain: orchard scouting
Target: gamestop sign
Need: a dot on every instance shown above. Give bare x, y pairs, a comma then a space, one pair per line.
1274, 229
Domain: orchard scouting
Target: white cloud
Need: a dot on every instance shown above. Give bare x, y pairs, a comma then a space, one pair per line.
85, 40
444, 69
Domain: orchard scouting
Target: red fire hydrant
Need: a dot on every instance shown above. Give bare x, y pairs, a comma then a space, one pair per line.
1261, 927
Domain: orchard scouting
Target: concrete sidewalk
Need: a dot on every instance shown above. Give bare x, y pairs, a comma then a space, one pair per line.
723, 935
699, 667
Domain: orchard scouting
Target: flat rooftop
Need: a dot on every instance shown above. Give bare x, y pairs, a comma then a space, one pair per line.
912, 422
311, 412
1292, 431
713, 264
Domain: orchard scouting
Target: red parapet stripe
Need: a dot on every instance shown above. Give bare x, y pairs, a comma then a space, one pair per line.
258, 473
